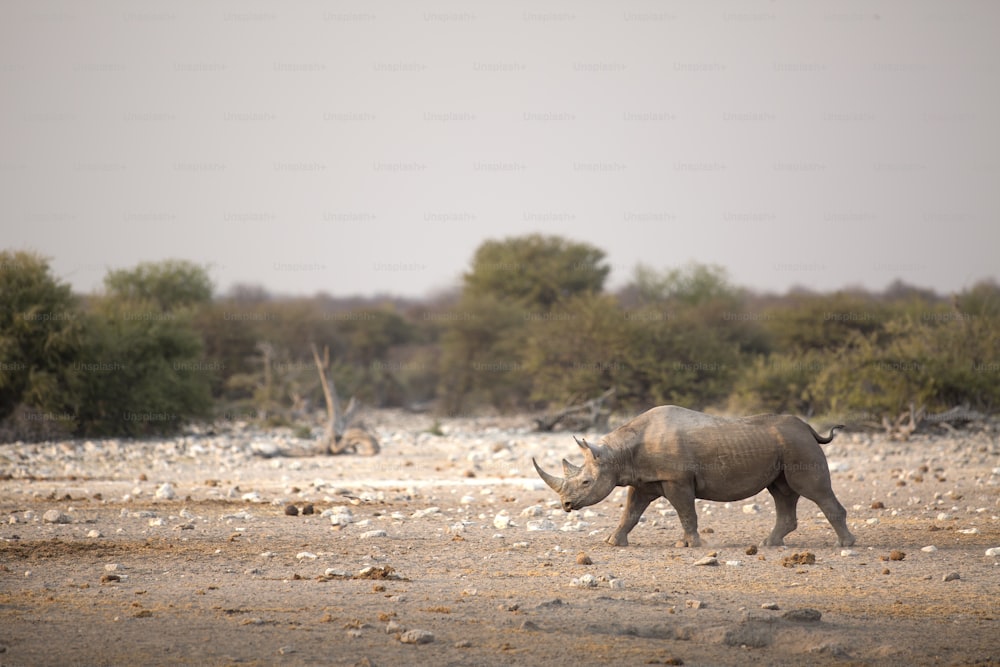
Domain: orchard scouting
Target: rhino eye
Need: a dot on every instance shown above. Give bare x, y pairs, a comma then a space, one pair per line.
585, 482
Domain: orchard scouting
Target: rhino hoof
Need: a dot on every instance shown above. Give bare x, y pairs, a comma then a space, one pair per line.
615, 542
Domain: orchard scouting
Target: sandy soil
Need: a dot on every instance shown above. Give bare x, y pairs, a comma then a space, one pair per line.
181, 552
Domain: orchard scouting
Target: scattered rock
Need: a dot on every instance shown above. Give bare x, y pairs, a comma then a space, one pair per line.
586, 581
417, 637
773, 606
751, 550
308, 509
951, 576
501, 520
752, 508
95, 533
166, 492
707, 560
583, 559
109, 578
392, 627
529, 625
694, 604
306, 555
846, 553
291, 510
929, 549
805, 615
993, 551
878, 505
372, 533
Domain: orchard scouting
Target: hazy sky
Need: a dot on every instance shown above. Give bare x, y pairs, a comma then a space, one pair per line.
364, 147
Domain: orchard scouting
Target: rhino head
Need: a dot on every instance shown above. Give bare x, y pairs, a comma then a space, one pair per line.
584, 485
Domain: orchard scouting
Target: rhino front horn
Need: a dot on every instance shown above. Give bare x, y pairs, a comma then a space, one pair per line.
555, 483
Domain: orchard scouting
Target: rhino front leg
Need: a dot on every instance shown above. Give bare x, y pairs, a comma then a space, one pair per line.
681, 496
637, 502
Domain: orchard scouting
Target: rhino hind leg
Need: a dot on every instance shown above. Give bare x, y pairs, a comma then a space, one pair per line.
636, 503
785, 503
817, 488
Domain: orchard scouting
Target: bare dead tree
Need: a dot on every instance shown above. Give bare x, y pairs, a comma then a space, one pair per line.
339, 436
581, 416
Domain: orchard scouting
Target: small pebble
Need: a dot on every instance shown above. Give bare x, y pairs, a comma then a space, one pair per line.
751, 550
929, 549
305, 555
770, 605
373, 533
897, 555
707, 560
291, 510
951, 576
993, 551
583, 559
586, 581
694, 604
308, 509
166, 492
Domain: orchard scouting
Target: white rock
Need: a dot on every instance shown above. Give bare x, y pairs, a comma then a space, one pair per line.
306, 555
846, 553
467, 500
943, 516
95, 533
392, 627
417, 637
839, 466
993, 551
873, 521
533, 511
753, 508
158, 521
929, 549
253, 497
166, 491
574, 526
55, 516
427, 511
969, 531
373, 533
112, 567
501, 520
340, 515
456, 528
734, 563
586, 581
541, 524
707, 560
333, 572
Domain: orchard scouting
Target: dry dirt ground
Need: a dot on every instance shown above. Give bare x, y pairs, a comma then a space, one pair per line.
181, 552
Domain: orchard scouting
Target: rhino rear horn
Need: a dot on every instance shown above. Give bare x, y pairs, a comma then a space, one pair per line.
569, 469
555, 483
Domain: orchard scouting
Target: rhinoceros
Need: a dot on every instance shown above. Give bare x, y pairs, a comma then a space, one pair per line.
682, 454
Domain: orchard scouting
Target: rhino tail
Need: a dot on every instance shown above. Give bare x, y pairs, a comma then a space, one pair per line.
823, 441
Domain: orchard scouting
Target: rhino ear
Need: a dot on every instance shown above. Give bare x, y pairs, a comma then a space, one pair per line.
586, 446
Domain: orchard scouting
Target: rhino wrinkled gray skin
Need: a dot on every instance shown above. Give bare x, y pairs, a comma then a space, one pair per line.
681, 455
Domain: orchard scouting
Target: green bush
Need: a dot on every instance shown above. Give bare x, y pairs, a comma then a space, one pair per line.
40, 337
